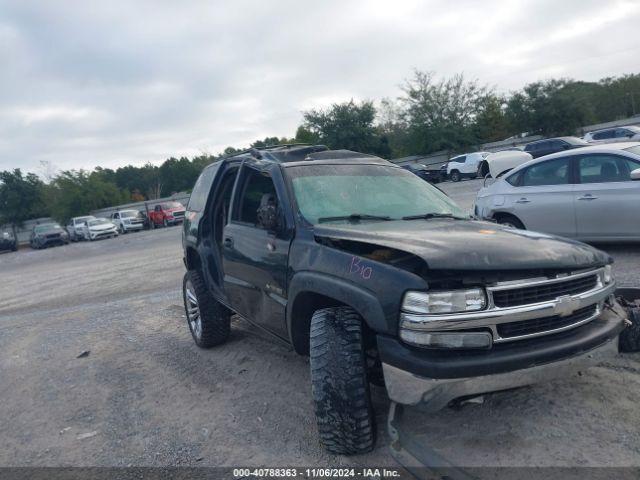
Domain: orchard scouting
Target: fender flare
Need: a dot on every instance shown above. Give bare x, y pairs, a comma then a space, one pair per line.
338, 289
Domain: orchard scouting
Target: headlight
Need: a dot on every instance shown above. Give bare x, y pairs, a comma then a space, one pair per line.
607, 275
452, 301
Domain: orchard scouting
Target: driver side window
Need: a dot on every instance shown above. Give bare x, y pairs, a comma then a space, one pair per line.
257, 191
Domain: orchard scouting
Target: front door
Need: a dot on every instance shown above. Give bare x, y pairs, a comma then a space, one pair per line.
255, 259
607, 201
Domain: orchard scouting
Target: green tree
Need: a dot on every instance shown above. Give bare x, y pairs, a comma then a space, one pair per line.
554, 107
73, 193
347, 125
491, 123
441, 115
21, 198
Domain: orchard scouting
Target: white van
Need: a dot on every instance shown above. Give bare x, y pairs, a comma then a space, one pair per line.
465, 166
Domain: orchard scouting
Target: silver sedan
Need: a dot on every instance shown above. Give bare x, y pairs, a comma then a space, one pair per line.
591, 194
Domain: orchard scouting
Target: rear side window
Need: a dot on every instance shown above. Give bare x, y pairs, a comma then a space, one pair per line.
603, 135
532, 147
605, 168
552, 172
201, 189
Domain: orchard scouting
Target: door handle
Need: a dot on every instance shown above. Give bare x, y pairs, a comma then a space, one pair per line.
523, 200
228, 242
587, 196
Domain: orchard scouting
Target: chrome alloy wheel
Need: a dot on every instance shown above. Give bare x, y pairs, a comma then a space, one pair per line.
193, 310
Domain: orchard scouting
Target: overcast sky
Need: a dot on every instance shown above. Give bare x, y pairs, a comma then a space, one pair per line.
116, 82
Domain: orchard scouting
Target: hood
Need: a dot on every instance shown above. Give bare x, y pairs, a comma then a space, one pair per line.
447, 244
99, 228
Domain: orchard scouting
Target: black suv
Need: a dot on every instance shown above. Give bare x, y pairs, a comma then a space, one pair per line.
548, 146
380, 278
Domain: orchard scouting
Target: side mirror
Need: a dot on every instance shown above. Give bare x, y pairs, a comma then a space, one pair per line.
635, 174
268, 217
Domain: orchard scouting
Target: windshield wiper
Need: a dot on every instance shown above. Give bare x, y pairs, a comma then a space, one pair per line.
354, 217
428, 216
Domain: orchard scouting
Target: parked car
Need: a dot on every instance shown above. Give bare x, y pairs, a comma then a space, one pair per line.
166, 213
613, 135
465, 166
430, 175
76, 228
591, 194
127, 220
8, 241
379, 277
48, 234
548, 146
100, 228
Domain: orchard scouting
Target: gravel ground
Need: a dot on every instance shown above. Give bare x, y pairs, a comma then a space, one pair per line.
146, 396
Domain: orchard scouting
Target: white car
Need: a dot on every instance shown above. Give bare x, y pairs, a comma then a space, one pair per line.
76, 228
592, 194
613, 135
465, 166
128, 220
100, 228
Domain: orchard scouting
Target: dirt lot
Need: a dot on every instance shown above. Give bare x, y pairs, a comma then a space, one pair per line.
145, 395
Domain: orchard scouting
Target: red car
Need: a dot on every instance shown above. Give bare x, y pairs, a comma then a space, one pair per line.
166, 213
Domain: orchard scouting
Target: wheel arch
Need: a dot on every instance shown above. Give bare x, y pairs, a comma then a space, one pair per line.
192, 259
310, 291
497, 216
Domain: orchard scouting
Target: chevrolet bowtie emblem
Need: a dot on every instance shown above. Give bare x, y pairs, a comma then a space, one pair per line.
566, 305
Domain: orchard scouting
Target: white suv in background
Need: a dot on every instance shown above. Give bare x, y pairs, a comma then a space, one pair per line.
127, 220
611, 135
465, 166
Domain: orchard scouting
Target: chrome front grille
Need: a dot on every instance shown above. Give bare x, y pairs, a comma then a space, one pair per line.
527, 308
537, 325
543, 292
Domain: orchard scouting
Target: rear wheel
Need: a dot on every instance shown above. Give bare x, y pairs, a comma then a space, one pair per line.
510, 221
209, 321
455, 176
340, 383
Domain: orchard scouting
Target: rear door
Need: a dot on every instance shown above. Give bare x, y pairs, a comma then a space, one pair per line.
607, 201
255, 259
543, 198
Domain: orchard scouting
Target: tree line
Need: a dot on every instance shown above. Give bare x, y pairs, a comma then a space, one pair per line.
430, 114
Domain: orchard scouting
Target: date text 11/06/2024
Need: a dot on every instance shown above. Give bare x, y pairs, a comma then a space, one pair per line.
369, 473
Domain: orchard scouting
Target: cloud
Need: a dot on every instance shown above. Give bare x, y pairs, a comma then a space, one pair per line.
112, 83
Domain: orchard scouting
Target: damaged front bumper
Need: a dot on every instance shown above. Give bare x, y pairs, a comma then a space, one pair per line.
433, 379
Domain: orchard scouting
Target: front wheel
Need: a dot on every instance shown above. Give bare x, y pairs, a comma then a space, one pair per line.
455, 176
165, 223
209, 321
339, 382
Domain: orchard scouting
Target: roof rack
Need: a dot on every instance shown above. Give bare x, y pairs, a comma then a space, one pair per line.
280, 152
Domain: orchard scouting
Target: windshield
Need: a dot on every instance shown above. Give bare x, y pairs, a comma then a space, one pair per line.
129, 214
98, 221
46, 227
326, 192
83, 219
